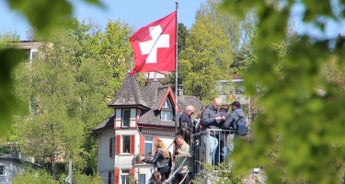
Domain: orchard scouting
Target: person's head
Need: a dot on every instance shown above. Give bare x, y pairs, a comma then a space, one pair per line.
160, 144
156, 176
235, 105
190, 110
179, 140
217, 104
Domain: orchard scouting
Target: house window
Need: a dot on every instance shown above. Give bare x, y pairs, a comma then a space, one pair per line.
112, 146
125, 114
125, 176
166, 112
2, 170
148, 145
142, 179
110, 177
126, 142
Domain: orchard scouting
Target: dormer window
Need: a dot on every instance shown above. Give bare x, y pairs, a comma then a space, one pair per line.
166, 112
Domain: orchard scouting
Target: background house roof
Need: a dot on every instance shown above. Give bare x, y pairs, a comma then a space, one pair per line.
149, 101
129, 94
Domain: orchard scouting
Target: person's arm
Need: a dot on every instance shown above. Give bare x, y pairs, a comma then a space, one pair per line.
229, 121
184, 152
207, 119
154, 159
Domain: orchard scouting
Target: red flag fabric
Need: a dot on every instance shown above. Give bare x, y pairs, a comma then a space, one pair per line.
154, 46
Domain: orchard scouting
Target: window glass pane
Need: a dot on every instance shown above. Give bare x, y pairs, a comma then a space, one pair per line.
125, 143
148, 145
125, 117
112, 146
166, 115
2, 170
167, 104
125, 176
142, 178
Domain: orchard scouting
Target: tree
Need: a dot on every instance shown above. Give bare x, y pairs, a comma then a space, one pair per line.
209, 52
71, 85
298, 137
44, 17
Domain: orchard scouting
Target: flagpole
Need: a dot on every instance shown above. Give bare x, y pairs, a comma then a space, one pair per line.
176, 71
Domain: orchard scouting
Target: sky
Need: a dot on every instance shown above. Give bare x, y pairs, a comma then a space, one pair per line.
137, 13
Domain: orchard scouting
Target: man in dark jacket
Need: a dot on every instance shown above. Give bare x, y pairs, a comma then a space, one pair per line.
234, 115
211, 122
186, 125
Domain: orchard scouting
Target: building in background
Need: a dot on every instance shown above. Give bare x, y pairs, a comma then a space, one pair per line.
142, 115
12, 162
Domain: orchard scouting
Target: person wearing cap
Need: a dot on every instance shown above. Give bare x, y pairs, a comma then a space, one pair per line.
236, 112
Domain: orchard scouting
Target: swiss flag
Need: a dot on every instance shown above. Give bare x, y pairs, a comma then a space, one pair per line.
154, 46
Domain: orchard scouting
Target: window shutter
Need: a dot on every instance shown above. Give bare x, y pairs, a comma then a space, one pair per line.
132, 146
132, 172
142, 145
118, 144
116, 176
111, 147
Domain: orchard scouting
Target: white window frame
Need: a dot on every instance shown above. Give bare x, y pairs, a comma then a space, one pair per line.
125, 176
166, 112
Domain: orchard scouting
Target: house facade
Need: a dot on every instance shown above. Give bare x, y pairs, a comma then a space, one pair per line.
11, 163
142, 115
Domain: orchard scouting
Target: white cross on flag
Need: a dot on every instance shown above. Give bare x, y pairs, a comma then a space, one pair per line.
154, 46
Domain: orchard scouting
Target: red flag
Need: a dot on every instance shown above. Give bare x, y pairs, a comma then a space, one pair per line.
154, 46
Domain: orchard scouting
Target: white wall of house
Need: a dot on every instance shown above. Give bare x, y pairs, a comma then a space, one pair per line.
9, 168
105, 162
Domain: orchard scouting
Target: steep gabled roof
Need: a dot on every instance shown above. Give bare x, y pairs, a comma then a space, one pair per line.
155, 95
129, 95
189, 100
150, 92
150, 101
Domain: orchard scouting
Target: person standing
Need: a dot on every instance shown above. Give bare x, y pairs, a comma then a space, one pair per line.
182, 155
236, 113
161, 160
211, 121
186, 124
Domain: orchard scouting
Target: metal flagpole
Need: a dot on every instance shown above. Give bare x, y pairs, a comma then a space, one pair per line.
176, 71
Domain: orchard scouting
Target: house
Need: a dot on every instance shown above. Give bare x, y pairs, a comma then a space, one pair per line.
11, 162
141, 117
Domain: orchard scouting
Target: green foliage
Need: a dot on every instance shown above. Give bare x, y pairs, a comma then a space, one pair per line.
69, 88
45, 17
85, 179
34, 177
208, 54
40, 176
298, 136
221, 174
10, 57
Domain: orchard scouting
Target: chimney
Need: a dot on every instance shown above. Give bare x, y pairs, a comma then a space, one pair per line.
180, 90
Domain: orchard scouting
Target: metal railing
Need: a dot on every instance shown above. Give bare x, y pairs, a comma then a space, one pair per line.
210, 147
